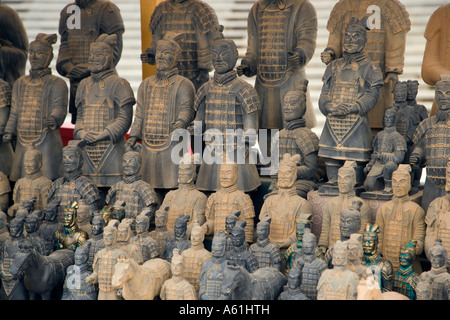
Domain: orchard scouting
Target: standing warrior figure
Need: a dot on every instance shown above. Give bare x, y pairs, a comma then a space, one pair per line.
164, 104
405, 278
95, 17
149, 246
49, 226
240, 254
160, 233
281, 41
71, 236
96, 243
200, 26
38, 109
268, 254
179, 240
303, 224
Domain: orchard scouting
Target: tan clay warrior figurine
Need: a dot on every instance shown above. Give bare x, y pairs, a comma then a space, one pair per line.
149, 246
400, 219
389, 23
198, 21
164, 104
355, 254
78, 29
34, 184
281, 42
187, 199
124, 243
177, 287
38, 109
71, 236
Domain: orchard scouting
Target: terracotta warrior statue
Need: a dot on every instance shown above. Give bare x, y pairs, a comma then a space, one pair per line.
38, 109
33, 184
164, 104
405, 278
227, 108
149, 246
293, 290
32, 225
296, 138
268, 254
160, 233
303, 224
198, 21
240, 254
132, 249
351, 87
230, 222
179, 240
78, 29
96, 242
281, 41
6, 150
49, 226
71, 236
388, 23
355, 254
400, 219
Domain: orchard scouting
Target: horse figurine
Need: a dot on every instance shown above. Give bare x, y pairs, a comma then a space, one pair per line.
140, 282
42, 274
369, 289
263, 284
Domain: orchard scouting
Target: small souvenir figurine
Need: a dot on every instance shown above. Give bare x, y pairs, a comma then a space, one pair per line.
195, 256
389, 149
187, 199
268, 254
49, 226
331, 213
355, 254
212, 272
303, 223
432, 144
34, 184
96, 242
124, 243
400, 219
405, 278
230, 222
296, 138
381, 268
438, 276
103, 266
160, 234
5, 192
227, 107
38, 109
312, 267
293, 291
386, 42
75, 285
227, 199
177, 287
32, 224
281, 41
179, 239
95, 17
136, 193
351, 86
338, 283
6, 150
240, 254
164, 104
149, 246
285, 207
12, 287
71, 236
198, 21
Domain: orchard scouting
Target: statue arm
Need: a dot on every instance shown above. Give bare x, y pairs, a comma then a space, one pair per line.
325, 102
431, 225
306, 32
209, 215
380, 221
251, 56
11, 125
79, 132
325, 232
112, 23
419, 229
59, 103
309, 168
374, 82
64, 63
207, 32
185, 104
248, 214
136, 127
395, 51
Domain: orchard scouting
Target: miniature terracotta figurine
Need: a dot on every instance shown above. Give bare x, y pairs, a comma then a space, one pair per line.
78, 31
293, 291
195, 256
285, 207
160, 233
405, 278
132, 249
389, 150
400, 219
227, 107
198, 21
96, 242
49, 226
71, 236
149, 246
240, 254
6, 150
296, 138
388, 24
187, 199
226, 199
135, 192
311, 266
104, 105
281, 41
177, 287
230, 222
432, 144
38, 109
438, 276
32, 224
103, 266
212, 272
179, 240
339, 283
303, 222
268, 254
380, 267
351, 87
34, 184
113, 212
330, 232
75, 285
355, 254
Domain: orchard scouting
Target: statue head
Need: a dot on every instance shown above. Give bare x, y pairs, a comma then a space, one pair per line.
303, 222
263, 228
83, 4
161, 217
123, 232
101, 53
180, 227
81, 255
309, 243
16, 227
370, 239
224, 55
72, 158
294, 278
197, 234
228, 174
287, 171
340, 254
413, 89
230, 220
70, 214
219, 244
51, 211
238, 233
355, 35
168, 52
442, 93
177, 263
41, 51
32, 222
110, 235
294, 103
347, 177
355, 247
390, 117
350, 220
400, 91
407, 254
131, 163
97, 225
32, 161
401, 181
142, 223
438, 255
187, 168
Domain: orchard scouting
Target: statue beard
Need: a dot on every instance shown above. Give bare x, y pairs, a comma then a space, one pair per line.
82, 3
